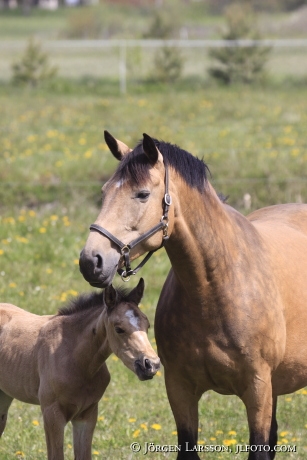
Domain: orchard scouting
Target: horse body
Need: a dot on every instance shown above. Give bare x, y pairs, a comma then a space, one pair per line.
232, 314
59, 362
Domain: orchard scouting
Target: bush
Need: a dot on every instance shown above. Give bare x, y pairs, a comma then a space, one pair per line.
168, 64
33, 67
239, 64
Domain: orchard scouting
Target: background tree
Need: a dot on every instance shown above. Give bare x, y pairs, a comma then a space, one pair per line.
234, 63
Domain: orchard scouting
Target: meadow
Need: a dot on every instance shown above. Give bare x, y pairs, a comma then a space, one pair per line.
53, 162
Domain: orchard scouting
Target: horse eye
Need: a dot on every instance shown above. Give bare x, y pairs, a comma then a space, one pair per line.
119, 330
143, 195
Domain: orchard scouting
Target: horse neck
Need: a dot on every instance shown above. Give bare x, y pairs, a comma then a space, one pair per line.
91, 348
207, 239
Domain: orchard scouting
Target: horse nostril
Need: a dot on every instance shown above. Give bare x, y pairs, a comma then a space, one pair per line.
98, 261
148, 365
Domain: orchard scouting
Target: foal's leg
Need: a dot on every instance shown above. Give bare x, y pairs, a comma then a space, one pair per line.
258, 401
184, 405
54, 424
5, 402
83, 430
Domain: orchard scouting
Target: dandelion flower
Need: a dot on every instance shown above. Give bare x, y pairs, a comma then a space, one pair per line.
35, 422
156, 426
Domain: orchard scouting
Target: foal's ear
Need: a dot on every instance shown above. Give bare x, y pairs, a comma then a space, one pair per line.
136, 294
110, 296
118, 148
150, 149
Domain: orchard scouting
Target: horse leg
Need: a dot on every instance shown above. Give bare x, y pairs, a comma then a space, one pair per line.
273, 431
5, 402
184, 404
258, 401
83, 430
54, 424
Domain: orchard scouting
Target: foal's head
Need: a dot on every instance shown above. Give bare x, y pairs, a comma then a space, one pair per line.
127, 327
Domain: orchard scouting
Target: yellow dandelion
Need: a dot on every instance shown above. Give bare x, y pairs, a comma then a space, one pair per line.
49, 270
229, 442
159, 373
19, 453
96, 452
174, 432
21, 293
32, 213
284, 433
82, 141
54, 217
42, 230
136, 433
100, 418
212, 438
114, 358
131, 420
144, 426
35, 422
283, 441
76, 261
88, 154
156, 426
232, 433
200, 441
1, 252
219, 432
12, 285
21, 218
288, 399
69, 446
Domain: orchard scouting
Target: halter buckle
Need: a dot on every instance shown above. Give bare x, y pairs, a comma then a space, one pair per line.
167, 199
164, 221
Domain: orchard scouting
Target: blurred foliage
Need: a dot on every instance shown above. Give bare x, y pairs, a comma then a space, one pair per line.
168, 64
83, 24
33, 67
239, 64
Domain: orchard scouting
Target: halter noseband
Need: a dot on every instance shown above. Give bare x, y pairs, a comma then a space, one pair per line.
125, 248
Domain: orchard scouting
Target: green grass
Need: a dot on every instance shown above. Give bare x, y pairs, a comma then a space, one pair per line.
53, 161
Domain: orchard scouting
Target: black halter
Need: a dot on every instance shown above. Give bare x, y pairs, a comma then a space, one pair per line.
125, 248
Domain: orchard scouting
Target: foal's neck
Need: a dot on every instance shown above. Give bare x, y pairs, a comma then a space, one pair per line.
91, 347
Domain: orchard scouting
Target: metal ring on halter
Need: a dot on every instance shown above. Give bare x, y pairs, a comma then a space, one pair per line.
125, 250
124, 277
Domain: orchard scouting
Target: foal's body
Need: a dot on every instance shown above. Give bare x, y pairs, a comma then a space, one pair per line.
232, 315
59, 362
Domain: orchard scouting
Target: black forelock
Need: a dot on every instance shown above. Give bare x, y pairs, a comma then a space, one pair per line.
135, 165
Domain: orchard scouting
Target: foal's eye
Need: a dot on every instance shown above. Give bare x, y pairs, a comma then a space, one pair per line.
143, 195
119, 330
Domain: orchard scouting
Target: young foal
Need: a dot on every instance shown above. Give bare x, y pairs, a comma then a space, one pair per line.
59, 361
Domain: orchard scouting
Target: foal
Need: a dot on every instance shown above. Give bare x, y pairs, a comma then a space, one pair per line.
59, 361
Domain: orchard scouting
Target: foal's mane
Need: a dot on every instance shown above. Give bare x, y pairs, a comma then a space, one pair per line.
135, 165
89, 301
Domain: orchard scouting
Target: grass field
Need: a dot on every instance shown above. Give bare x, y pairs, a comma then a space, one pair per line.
53, 161
52, 164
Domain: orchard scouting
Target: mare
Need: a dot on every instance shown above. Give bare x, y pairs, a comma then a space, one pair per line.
232, 314
59, 361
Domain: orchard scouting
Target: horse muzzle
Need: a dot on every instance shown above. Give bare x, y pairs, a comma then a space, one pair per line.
146, 368
96, 270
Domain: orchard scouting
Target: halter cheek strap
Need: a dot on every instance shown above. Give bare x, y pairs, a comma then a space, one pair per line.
126, 248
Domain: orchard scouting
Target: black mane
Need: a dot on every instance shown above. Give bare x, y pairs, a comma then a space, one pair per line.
90, 300
135, 165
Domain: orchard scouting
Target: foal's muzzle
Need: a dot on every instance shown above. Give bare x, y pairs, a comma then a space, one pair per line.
146, 368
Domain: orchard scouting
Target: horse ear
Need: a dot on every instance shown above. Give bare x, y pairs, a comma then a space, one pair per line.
118, 148
110, 296
136, 294
150, 149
